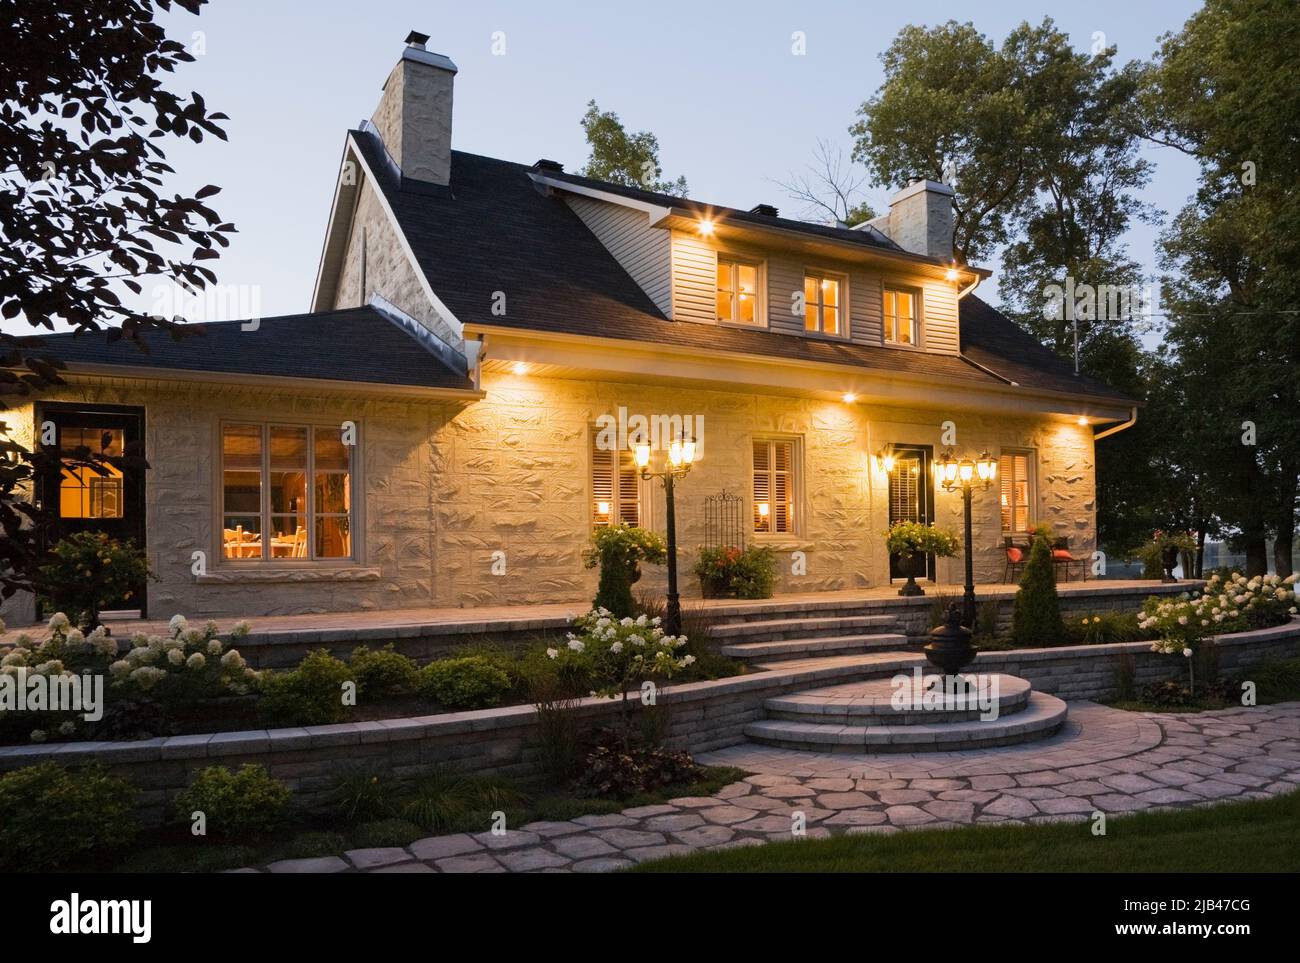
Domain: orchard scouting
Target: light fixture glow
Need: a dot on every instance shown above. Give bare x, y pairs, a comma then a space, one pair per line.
952, 274
520, 368
1083, 421
688, 452
848, 397
642, 455
706, 227
966, 470
763, 509
675, 454
602, 508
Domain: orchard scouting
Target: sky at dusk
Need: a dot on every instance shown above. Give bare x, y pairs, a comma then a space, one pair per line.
733, 108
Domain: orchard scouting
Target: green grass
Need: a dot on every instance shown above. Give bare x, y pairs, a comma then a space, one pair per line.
1260, 836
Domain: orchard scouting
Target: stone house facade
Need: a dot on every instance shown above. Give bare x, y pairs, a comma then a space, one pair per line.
430, 434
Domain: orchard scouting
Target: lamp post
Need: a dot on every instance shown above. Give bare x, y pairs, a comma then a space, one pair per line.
681, 455
965, 474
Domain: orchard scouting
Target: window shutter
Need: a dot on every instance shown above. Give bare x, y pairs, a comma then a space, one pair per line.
629, 500
782, 507
762, 487
615, 489
602, 486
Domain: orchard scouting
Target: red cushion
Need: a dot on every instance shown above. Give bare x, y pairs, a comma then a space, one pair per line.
1062, 555
1014, 554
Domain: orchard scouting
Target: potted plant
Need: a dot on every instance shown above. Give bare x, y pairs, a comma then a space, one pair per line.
912, 542
1164, 549
726, 570
618, 551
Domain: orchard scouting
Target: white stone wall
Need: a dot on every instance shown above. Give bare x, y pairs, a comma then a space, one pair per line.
446, 486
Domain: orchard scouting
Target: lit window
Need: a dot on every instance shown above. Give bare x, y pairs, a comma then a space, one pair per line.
270, 511
901, 325
774, 485
1017, 498
737, 294
615, 491
85, 492
821, 295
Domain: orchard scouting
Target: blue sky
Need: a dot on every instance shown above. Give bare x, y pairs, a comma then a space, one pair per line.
732, 107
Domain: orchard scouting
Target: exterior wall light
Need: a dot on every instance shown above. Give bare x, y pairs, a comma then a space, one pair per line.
520, 368
706, 227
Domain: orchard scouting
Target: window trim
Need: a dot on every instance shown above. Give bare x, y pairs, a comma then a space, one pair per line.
1031, 475
760, 283
356, 514
916, 292
796, 487
822, 274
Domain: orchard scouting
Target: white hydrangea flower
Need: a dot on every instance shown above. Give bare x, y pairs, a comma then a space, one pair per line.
616, 648
58, 621
38, 735
67, 728
178, 623
552, 653
196, 661
175, 656
576, 645
214, 647
120, 669
146, 677
241, 629
232, 660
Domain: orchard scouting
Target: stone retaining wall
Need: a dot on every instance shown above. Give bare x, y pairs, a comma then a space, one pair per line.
701, 716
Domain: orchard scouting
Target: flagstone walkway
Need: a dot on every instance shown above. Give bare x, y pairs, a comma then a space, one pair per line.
1103, 760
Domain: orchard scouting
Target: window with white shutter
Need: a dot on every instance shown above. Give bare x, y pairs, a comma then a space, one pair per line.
615, 487
774, 486
1016, 469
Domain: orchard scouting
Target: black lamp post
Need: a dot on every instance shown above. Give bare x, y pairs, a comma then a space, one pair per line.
965, 474
681, 455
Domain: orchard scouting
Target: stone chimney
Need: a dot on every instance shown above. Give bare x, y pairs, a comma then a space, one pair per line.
920, 219
414, 115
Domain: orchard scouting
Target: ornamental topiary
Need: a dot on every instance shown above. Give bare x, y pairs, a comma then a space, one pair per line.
470, 682
1036, 614
618, 551
234, 804
51, 817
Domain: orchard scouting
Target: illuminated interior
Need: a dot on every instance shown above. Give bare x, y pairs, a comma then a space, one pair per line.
737, 294
83, 491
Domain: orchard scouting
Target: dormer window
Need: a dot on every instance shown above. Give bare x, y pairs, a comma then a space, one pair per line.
738, 293
823, 296
902, 326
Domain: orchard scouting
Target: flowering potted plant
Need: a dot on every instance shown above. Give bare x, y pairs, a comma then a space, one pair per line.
912, 542
726, 570
1164, 549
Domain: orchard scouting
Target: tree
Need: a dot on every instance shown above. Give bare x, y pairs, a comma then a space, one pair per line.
618, 157
1223, 91
827, 188
1036, 612
82, 211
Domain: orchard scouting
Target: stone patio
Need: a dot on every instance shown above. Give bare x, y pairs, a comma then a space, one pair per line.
1104, 760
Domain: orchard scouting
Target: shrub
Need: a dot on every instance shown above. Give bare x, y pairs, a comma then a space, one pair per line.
554, 697
51, 817
618, 551
727, 570
615, 771
383, 674
359, 794
1101, 628
1232, 604
469, 682
89, 571
1036, 613
443, 798
310, 695
234, 804
183, 666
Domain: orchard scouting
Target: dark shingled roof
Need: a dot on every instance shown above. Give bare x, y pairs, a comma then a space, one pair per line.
354, 344
496, 231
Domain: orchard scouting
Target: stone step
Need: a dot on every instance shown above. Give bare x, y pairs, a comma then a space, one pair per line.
776, 630
777, 651
872, 702
763, 610
1043, 716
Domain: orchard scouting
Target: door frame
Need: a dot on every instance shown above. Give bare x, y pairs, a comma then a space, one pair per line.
131, 418
925, 494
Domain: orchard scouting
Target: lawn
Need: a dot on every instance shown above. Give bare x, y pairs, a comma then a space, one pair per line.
1256, 836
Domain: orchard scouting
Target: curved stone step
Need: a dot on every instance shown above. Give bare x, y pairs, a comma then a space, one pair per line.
808, 648
1041, 718
776, 630
871, 702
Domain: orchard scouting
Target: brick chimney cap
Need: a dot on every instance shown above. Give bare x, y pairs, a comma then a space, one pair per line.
416, 38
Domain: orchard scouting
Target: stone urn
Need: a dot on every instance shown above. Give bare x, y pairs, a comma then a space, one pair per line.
1168, 562
911, 566
950, 647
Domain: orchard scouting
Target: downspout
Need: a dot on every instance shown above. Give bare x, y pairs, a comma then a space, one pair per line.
1116, 429
475, 351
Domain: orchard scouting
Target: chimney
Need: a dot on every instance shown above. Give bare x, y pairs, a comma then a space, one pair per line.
414, 114
920, 219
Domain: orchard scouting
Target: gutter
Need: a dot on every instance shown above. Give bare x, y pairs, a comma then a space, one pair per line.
1116, 429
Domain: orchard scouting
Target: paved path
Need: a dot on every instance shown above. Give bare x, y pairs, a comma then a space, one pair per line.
1104, 760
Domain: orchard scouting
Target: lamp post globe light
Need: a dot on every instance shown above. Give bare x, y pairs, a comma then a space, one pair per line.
952, 473
680, 458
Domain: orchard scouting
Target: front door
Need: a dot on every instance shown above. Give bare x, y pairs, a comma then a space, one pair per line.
81, 499
911, 496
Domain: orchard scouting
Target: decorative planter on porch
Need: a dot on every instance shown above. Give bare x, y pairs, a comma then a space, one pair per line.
911, 566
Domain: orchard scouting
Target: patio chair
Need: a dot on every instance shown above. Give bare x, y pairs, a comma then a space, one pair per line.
1063, 559
1017, 555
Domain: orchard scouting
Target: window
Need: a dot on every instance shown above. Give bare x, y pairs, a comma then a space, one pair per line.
286, 492
83, 491
901, 326
737, 295
774, 487
1016, 470
615, 491
822, 295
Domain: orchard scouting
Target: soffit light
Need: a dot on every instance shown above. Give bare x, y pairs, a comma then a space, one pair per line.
849, 397
706, 227
952, 274
520, 368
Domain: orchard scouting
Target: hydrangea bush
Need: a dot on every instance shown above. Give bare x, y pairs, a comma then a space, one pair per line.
1233, 603
615, 654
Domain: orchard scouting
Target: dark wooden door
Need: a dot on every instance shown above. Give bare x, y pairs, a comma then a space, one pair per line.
81, 499
911, 497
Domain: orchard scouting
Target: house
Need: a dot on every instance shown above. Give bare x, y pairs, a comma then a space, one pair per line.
436, 431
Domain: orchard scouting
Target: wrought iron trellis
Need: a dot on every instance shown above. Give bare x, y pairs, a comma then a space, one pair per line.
724, 520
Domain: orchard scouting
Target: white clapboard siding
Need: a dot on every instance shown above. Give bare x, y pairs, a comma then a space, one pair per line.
939, 314
642, 250
695, 278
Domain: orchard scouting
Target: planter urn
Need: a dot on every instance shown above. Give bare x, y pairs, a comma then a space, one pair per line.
911, 566
1168, 561
950, 647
